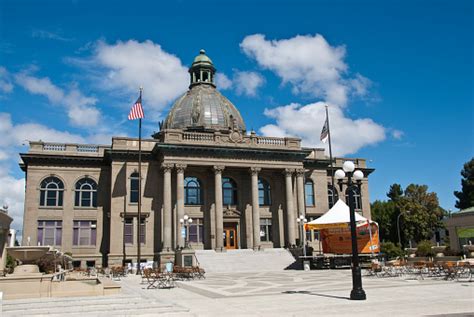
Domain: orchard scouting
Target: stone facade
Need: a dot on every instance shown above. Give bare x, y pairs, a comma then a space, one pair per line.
251, 188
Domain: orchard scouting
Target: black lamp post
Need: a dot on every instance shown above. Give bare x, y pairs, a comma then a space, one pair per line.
348, 167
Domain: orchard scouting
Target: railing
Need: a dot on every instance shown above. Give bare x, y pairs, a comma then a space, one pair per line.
87, 148
57, 147
202, 137
270, 141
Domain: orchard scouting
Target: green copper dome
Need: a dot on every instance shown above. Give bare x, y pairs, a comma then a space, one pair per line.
202, 59
202, 107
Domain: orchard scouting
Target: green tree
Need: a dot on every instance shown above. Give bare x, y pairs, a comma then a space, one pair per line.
385, 214
395, 192
423, 213
420, 212
466, 195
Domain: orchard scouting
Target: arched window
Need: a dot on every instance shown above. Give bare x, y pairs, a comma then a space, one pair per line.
229, 191
357, 199
51, 192
192, 191
309, 192
86, 193
264, 193
134, 183
332, 200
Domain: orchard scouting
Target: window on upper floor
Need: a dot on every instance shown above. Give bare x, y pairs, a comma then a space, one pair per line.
264, 193
134, 185
86, 193
229, 191
332, 199
51, 192
356, 199
192, 191
309, 192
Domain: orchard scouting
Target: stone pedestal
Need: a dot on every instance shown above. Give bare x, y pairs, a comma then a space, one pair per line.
185, 257
166, 257
439, 251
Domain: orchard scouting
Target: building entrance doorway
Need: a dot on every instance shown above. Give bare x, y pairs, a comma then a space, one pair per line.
230, 236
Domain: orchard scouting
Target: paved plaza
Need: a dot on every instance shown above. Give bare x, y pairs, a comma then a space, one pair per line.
288, 293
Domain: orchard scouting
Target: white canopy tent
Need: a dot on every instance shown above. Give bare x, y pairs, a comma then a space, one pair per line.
337, 216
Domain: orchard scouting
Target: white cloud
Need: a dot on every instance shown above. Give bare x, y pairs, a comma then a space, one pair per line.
43, 34
12, 189
6, 85
12, 194
131, 64
306, 121
81, 109
397, 134
244, 82
222, 81
309, 64
247, 83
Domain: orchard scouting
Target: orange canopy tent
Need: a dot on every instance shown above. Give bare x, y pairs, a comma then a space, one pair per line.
335, 231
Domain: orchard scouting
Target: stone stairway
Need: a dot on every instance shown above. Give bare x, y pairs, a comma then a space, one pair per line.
114, 305
244, 260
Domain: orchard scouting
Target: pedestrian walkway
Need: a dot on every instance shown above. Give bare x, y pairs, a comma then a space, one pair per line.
286, 293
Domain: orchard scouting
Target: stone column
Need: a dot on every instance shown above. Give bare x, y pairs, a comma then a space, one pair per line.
218, 204
290, 214
167, 232
300, 189
180, 201
255, 208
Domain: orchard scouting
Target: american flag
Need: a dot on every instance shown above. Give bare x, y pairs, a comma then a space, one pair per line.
137, 111
325, 131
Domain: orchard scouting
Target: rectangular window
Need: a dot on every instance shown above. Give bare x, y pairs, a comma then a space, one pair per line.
128, 231
309, 193
196, 231
134, 187
143, 230
84, 233
266, 230
49, 232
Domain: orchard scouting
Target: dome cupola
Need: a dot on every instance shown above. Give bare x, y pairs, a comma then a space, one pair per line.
202, 107
202, 70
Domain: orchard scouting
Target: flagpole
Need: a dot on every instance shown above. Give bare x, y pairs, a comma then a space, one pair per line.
139, 190
330, 156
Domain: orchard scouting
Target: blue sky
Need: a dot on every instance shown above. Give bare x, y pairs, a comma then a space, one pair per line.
398, 76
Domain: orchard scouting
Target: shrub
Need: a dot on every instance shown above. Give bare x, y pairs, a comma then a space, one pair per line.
11, 263
391, 249
424, 248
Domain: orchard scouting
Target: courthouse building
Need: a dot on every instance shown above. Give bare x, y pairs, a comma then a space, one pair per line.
242, 190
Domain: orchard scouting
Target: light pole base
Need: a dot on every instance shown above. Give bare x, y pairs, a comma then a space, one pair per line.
358, 294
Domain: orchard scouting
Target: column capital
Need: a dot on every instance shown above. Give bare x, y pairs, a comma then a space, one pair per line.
180, 168
167, 167
218, 169
300, 172
288, 171
255, 170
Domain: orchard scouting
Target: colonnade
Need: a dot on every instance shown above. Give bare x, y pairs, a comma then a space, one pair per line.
291, 213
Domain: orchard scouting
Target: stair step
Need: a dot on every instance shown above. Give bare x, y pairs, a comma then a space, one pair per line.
109, 307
